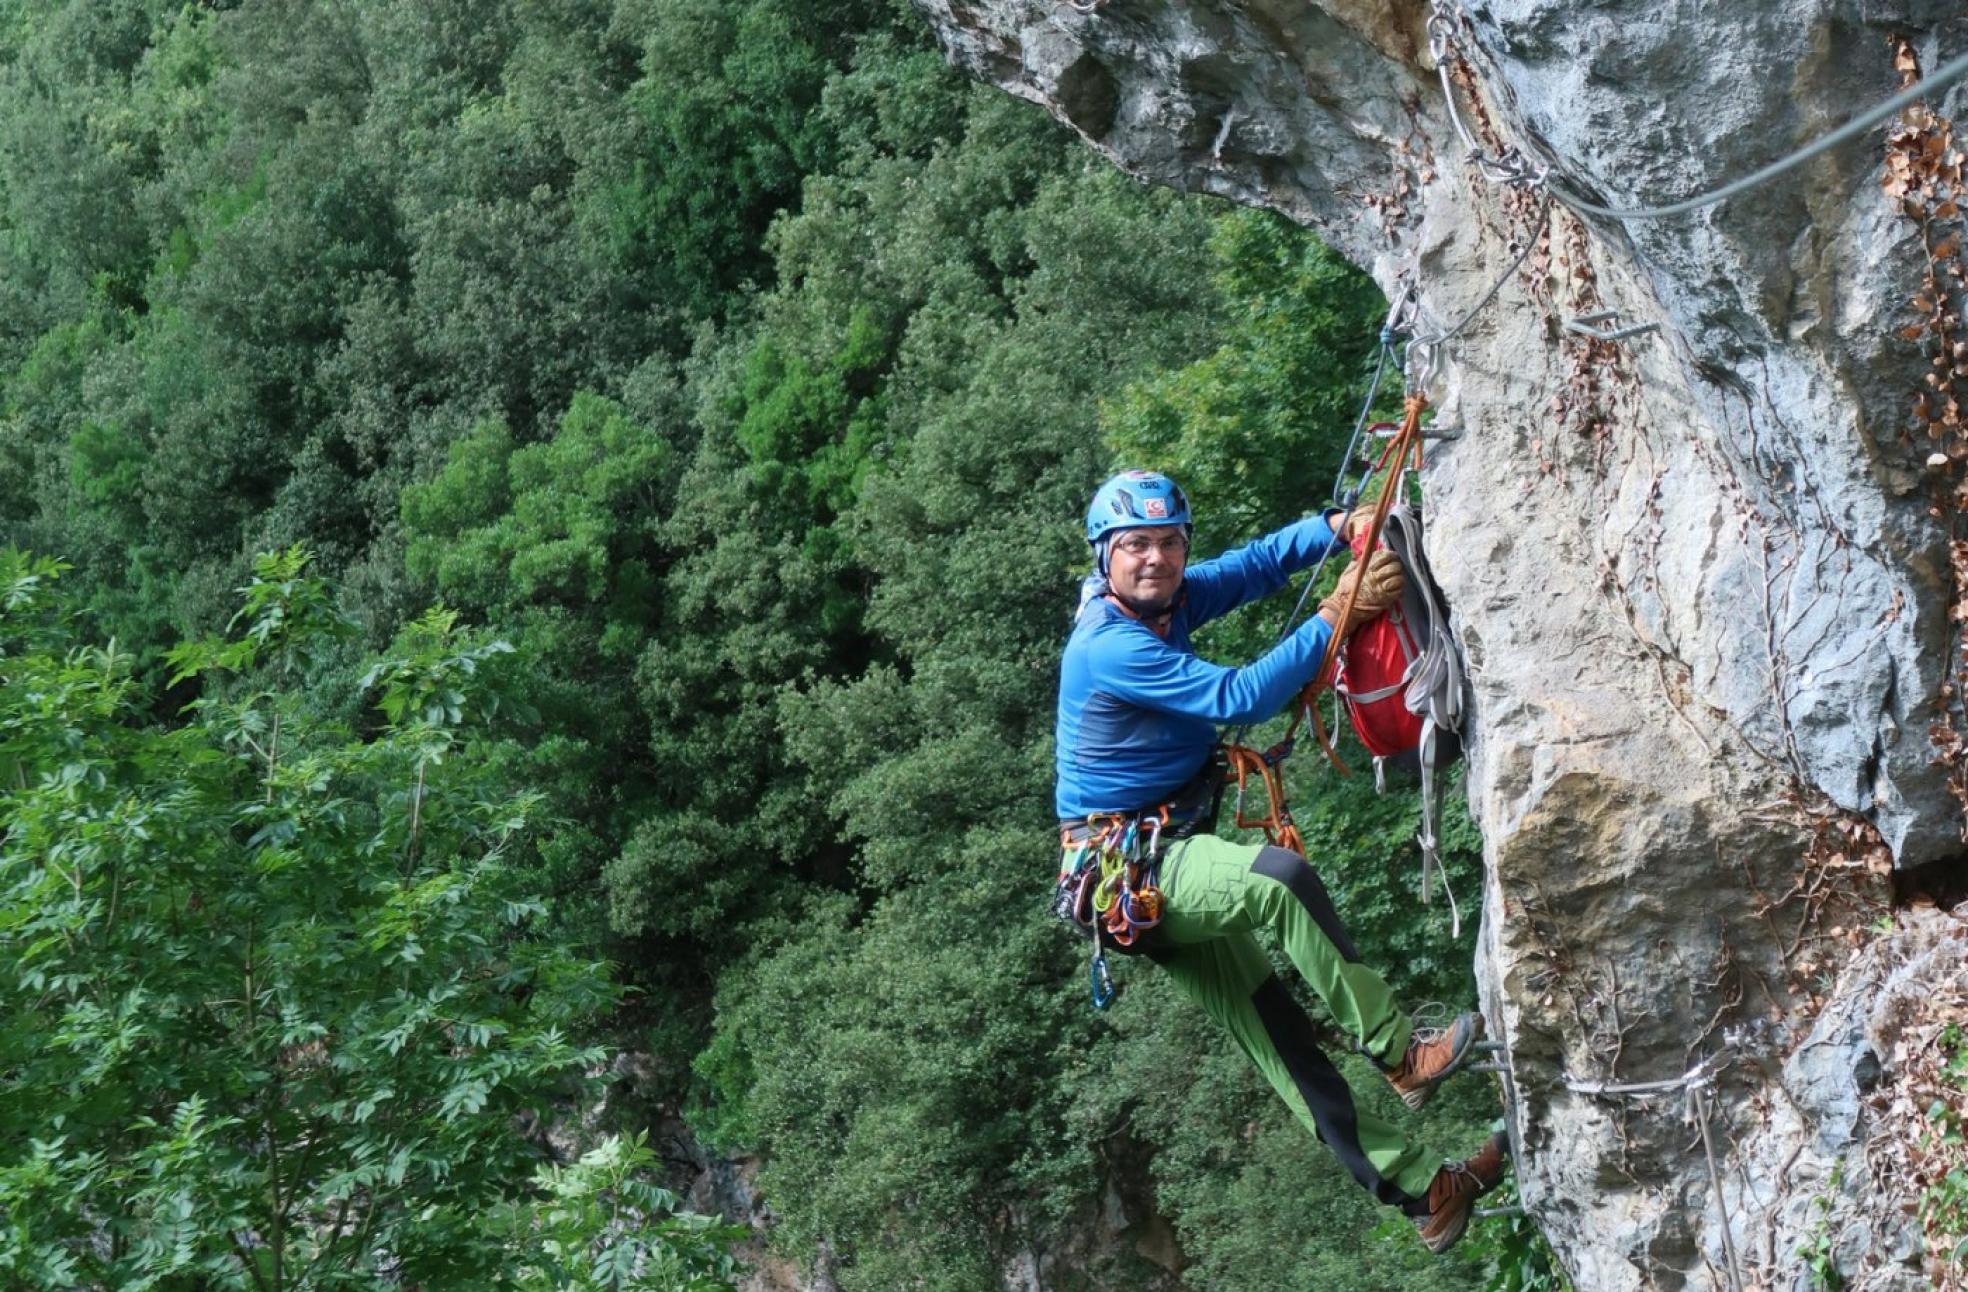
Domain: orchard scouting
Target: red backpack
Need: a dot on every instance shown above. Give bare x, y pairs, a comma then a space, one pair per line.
1400, 679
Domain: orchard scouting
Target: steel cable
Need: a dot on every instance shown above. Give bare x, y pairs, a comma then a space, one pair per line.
1513, 169
1944, 76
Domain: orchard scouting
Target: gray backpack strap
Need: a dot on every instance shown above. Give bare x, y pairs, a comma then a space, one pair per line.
1435, 678
1434, 689
1431, 857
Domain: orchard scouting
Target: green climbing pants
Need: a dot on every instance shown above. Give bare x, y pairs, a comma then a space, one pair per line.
1216, 895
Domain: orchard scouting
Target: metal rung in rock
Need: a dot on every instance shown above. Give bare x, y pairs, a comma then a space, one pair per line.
1486, 1067
1583, 326
1427, 433
1484, 1213
1487, 1047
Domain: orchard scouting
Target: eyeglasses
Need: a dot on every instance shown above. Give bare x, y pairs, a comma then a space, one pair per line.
1139, 545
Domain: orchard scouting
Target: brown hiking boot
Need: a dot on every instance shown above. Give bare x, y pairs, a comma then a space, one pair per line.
1434, 1054
1452, 1196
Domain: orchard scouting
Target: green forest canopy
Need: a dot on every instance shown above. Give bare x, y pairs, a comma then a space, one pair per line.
725, 380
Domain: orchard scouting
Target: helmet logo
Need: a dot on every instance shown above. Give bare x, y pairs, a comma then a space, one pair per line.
1156, 508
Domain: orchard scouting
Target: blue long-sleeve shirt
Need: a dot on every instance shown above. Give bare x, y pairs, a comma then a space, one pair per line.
1138, 712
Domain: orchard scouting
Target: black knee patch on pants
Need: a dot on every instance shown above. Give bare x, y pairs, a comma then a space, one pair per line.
1297, 875
1319, 1083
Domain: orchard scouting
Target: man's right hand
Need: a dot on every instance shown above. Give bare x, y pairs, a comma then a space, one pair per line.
1381, 583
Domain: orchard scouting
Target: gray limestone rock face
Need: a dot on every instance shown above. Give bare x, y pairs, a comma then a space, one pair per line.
1697, 580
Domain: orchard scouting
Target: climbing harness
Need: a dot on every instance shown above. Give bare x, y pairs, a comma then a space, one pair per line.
1109, 881
1512, 168
1697, 1085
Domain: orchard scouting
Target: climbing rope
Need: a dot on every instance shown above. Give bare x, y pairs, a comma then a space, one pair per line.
1514, 169
1390, 330
1405, 445
1698, 1086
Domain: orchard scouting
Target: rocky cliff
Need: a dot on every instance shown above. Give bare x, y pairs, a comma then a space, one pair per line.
1702, 572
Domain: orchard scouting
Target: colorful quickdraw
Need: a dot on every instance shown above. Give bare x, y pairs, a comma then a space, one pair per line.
1107, 886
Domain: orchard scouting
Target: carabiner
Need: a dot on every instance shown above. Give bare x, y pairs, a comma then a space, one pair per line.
1104, 990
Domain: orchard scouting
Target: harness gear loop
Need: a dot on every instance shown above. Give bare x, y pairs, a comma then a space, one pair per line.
1107, 886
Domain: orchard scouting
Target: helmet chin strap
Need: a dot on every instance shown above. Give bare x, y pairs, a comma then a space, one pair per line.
1155, 618
1143, 609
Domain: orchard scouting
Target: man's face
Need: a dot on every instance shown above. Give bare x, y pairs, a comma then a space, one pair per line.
1145, 565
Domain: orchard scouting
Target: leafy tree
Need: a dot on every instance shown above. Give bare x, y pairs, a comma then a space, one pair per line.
275, 997
600, 1225
557, 540
727, 102
562, 521
746, 368
901, 1066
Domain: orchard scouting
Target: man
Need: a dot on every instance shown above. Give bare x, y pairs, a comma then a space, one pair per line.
1136, 733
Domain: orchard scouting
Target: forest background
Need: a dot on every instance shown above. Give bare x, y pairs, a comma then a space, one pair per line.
539, 541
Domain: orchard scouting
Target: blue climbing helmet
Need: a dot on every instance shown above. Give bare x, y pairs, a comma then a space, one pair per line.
1135, 500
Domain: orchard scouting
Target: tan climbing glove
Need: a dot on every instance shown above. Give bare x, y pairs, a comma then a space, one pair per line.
1381, 582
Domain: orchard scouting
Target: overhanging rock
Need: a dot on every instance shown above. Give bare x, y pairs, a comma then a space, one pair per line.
1702, 595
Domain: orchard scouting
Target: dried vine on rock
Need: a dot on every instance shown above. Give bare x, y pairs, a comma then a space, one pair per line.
1924, 177
1917, 1144
1414, 169
1827, 913
1521, 205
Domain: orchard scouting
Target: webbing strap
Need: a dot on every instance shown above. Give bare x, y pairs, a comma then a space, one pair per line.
1431, 858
